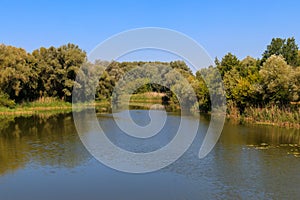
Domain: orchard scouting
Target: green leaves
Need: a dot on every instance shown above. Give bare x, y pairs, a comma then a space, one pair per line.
285, 47
276, 80
57, 69
5, 101
228, 62
17, 73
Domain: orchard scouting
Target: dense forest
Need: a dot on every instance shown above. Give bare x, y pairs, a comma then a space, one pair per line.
272, 81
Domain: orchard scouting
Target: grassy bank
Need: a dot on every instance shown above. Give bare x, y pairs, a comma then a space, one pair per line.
48, 105
58, 106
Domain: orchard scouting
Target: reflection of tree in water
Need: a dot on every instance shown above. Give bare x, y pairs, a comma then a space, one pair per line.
273, 136
43, 139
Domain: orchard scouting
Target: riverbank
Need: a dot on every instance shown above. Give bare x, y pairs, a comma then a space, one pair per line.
271, 116
51, 105
47, 106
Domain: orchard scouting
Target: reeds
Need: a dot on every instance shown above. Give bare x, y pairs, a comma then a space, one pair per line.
273, 115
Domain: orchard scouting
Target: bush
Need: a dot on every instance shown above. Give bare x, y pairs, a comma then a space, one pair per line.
5, 101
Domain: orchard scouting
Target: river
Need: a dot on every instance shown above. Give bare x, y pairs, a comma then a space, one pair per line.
42, 157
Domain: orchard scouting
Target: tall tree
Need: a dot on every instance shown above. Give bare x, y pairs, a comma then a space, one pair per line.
241, 89
57, 69
276, 77
248, 65
17, 73
71, 58
228, 62
285, 47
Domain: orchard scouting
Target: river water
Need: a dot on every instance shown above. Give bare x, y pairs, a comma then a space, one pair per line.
42, 157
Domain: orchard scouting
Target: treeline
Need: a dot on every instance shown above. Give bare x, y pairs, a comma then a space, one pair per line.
46, 72
51, 73
273, 79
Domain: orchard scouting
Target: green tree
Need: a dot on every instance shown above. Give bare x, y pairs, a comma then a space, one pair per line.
47, 63
181, 65
276, 77
71, 58
241, 90
57, 69
202, 93
285, 47
228, 62
211, 87
296, 84
248, 66
18, 76
86, 83
105, 86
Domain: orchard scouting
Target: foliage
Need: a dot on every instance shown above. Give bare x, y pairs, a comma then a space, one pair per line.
57, 69
276, 80
210, 91
241, 84
228, 62
285, 47
18, 77
5, 101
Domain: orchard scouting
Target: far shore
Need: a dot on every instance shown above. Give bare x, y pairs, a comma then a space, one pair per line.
36, 108
57, 107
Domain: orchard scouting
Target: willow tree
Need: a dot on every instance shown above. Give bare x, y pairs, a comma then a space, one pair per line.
276, 80
18, 77
57, 69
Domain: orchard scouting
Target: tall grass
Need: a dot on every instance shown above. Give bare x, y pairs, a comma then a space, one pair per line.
41, 105
147, 97
274, 115
47, 105
46, 102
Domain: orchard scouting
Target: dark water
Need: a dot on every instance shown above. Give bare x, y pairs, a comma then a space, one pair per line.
42, 157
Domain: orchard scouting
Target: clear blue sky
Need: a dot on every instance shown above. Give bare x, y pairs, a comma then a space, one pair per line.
241, 27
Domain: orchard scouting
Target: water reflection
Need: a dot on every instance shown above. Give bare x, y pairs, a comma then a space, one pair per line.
52, 139
42, 139
262, 137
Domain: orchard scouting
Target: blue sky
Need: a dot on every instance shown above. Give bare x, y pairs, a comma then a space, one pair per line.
241, 27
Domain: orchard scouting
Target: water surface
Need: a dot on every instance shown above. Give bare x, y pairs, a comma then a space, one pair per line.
42, 157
